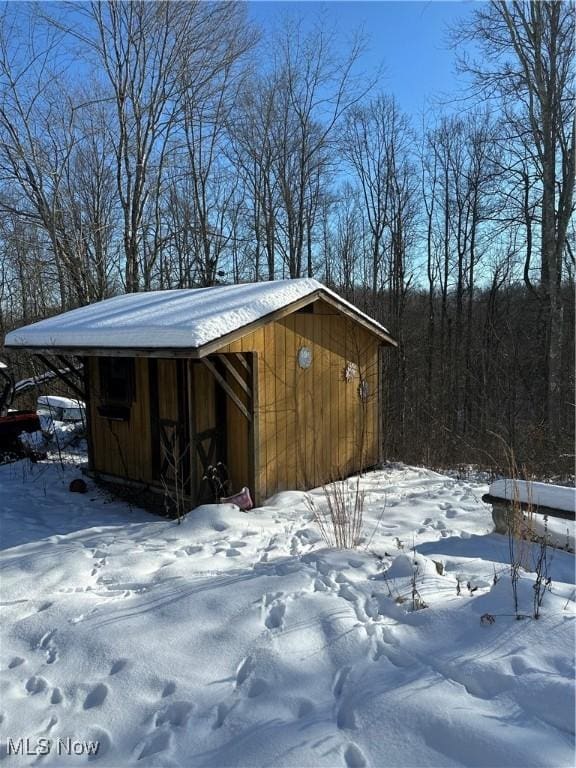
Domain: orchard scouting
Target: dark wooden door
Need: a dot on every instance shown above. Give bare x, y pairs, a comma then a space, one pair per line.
208, 431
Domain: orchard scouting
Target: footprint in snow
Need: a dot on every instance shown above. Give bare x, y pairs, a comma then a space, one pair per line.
169, 689
175, 714
244, 668
16, 662
46, 639
46, 644
96, 697
257, 687
159, 741
104, 742
306, 708
320, 586
189, 550
51, 723
354, 757
345, 718
339, 681
36, 685
222, 711
56, 697
118, 666
233, 552
275, 616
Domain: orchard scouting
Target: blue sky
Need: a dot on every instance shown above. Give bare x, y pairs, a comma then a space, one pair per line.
407, 36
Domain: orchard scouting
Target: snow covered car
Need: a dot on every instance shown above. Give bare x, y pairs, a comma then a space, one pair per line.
61, 408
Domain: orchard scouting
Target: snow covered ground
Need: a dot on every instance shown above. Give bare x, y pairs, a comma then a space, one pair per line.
239, 639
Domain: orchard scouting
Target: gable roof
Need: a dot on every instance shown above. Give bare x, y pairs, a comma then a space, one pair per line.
192, 319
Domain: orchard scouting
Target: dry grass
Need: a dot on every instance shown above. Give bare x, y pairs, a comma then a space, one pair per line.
340, 516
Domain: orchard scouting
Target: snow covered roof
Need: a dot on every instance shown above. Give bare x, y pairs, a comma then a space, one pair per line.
178, 319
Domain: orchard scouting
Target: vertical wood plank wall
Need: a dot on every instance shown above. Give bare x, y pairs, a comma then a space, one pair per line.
313, 426
122, 448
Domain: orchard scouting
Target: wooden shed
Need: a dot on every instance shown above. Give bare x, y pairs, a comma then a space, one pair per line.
277, 381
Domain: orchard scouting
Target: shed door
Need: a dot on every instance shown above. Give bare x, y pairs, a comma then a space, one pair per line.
169, 424
188, 413
208, 432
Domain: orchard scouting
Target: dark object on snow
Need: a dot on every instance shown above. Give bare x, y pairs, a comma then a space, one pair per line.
217, 477
78, 486
241, 499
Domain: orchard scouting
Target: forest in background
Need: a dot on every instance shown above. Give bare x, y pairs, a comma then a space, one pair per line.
174, 145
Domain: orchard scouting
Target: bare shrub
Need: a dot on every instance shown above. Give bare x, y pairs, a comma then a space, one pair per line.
340, 518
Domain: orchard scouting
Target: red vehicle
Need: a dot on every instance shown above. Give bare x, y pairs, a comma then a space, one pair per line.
13, 423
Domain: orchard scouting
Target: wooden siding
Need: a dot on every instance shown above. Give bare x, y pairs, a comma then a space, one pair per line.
122, 448
312, 424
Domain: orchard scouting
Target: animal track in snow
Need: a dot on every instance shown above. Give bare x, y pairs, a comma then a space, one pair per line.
169, 689
257, 687
244, 668
222, 711
51, 723
56, 697
340, 681
275, 616
104, 742
354, 757
345, 716
175, 714
189, 550
306, 708
233, 552
36, 685
48, 646
118, 666
156, 742
96, 697
16, 662
45, 639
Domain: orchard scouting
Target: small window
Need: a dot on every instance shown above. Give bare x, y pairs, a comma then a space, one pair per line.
117, 380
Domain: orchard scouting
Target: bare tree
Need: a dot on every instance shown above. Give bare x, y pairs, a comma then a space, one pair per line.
151, 55
39, 136
528, 54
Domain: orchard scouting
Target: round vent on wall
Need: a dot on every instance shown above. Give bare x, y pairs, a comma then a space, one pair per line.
304, 357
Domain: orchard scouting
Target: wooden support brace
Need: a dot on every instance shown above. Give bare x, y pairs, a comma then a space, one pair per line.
234, 373
242, 359
227, 388
57, 372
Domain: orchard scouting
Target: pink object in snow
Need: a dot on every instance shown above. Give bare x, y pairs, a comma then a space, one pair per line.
242, 499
